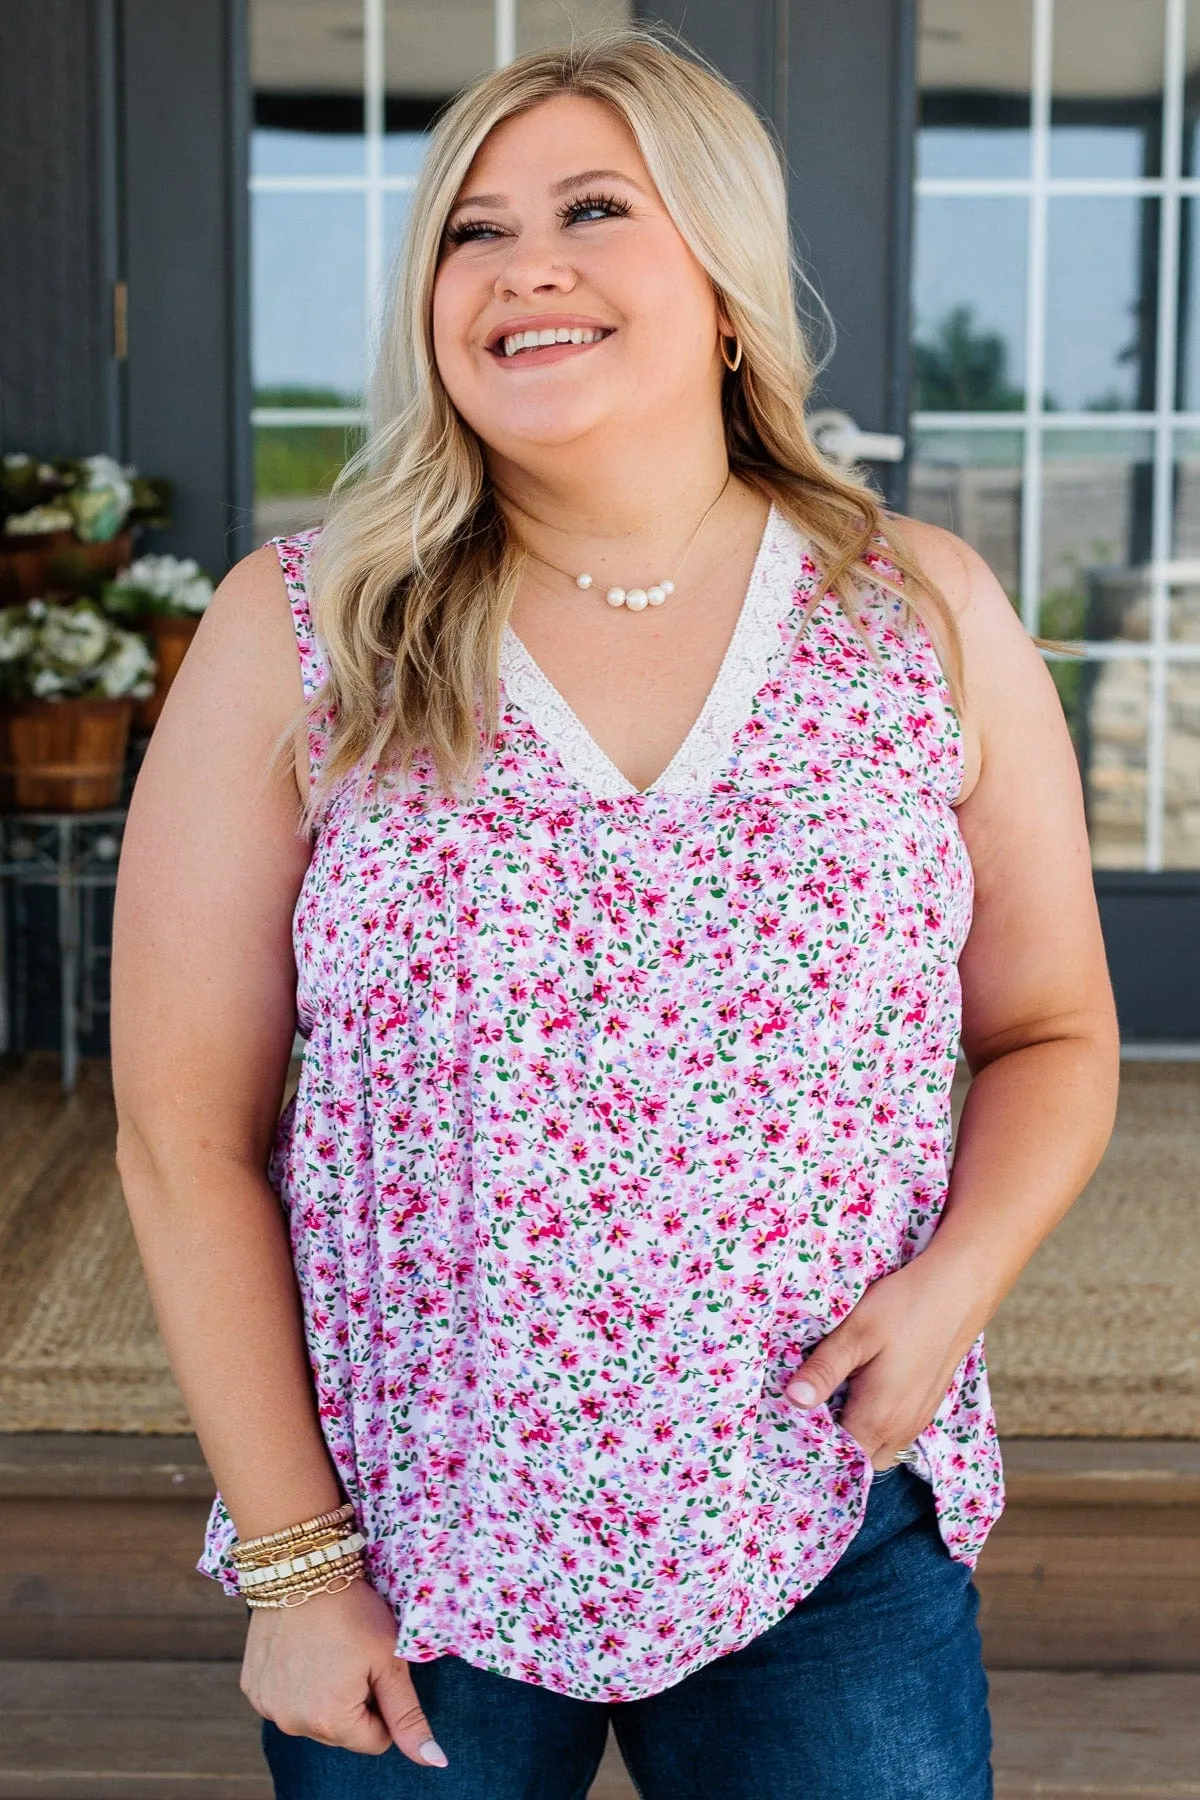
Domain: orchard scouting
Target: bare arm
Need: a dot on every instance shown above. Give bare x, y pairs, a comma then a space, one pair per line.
1039, 1026
1039, 1030
202, 1026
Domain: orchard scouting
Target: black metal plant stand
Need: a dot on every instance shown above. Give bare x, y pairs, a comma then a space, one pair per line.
75, 853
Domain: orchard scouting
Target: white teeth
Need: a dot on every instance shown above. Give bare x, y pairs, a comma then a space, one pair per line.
535, 340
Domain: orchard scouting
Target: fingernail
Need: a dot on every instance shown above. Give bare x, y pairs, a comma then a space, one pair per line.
432, 1752
802, 1392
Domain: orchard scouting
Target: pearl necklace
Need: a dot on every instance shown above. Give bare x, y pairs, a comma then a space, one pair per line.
637, 598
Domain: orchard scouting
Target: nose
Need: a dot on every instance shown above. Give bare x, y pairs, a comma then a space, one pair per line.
531, 269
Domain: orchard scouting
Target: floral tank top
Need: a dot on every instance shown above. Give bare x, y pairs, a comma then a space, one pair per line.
612, 1104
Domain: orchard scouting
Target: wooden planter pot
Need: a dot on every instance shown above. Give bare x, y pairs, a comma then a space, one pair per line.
170, 638
62, 755
56, 562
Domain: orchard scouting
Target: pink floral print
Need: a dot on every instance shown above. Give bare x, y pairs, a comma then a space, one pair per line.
611, 1107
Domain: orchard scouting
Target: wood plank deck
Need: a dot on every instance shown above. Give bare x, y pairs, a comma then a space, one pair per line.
1094, 1564
163, 1731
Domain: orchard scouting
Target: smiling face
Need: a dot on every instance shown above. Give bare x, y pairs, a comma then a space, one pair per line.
566, 304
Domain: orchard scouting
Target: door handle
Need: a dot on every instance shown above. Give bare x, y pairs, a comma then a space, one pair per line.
837, 436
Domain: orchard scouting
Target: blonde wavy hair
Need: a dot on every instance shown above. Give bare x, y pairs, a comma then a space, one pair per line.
414, 573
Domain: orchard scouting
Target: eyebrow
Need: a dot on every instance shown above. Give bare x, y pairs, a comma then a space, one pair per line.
556, 188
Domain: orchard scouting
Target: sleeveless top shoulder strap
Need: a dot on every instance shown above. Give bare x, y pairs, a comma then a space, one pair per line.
293, 553
913, 664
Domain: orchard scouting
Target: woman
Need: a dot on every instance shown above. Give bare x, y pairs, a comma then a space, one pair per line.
635, 1356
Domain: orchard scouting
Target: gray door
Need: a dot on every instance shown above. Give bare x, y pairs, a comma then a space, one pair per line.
835, 80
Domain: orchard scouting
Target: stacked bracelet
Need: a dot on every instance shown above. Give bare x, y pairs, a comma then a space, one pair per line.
292, 1565
322, 1555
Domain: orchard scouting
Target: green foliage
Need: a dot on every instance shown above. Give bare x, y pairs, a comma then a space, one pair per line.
93, 496
304, 396
50, 652
301, 460
964, 369
1062, 612
1067, 674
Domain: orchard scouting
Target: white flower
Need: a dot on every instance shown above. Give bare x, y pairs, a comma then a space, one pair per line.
46, 682
17, 459
124, 669
160, 575
37, 609
76, 639
16, 640
179, 579
106, 472
194, 595
39, 519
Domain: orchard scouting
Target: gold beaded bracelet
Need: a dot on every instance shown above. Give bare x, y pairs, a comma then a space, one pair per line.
310, 1584
307, 1563
306, 1546
290, 1533
277, 1576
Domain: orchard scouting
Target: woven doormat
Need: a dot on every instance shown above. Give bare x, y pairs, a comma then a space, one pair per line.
1099, 1338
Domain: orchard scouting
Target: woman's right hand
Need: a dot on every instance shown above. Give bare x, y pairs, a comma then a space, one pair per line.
327, 1670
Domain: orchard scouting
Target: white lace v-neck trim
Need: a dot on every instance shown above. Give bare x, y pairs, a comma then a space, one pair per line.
754, 650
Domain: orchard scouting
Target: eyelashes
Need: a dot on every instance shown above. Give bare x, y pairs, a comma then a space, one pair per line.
608, 205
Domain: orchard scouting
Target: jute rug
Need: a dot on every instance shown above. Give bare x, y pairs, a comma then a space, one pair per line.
1099, 1338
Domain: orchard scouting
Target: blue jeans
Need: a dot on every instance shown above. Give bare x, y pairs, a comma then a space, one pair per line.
871, 1688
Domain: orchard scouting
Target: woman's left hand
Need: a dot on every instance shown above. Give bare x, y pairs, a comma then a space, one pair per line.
899, 1347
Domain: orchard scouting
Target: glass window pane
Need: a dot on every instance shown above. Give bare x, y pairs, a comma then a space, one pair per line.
1096, 488
970, 482
1181, 808
396, 208
969, 304
294, 468
542, 24
1191, 91
1188, 378
973, 63
1186, 538
306, 70
404, 140
1184, 612
1101, 284
1107, 705
1106, 106
308, 298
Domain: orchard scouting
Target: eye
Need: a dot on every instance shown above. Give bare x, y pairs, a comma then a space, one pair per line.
467, 230
602, 206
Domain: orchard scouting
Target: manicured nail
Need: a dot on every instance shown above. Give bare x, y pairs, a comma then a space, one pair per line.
802, 1392
432, 1752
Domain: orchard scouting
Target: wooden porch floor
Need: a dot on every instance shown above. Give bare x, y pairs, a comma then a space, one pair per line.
158, 1731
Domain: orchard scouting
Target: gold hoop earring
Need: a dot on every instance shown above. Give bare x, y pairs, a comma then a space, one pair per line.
737, 361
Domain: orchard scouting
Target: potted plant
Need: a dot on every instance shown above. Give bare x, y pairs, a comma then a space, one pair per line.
67, 524
162, 597
69, 681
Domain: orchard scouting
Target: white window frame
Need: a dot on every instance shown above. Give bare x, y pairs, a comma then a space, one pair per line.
1159, 653
373, 184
